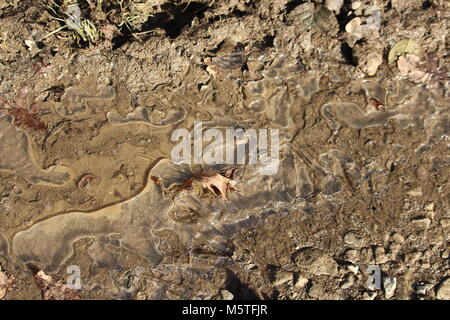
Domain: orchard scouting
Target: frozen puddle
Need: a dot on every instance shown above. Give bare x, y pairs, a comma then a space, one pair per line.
162, 223
17, 157
144, 222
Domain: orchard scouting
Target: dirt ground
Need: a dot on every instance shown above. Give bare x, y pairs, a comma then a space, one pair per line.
92, 90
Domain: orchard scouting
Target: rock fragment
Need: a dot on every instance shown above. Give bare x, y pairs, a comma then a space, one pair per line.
443, 290
380, 255
369, 295
445, 222
353, 240
421, 223
370, 62
348, 282
423, 287
410, 67
334, 5
351, 255
301, 282
353, 268
389, 286
282, 277
316, 262
403, 48
226, 295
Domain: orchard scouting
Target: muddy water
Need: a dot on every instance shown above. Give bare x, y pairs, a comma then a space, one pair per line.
164, 226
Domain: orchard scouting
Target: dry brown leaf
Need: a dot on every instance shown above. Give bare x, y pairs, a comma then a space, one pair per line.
23, 115
21, 98
410, 67
52, 290
402, 48
218, 184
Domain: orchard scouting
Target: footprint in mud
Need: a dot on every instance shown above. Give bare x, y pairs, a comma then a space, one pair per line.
16, 156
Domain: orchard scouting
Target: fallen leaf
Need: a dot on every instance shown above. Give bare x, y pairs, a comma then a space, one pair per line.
410, 67
218, 184
23, 115
401, 49
21, 98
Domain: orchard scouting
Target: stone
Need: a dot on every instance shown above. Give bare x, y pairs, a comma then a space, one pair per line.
410, 67
282, 277
412, 257
141, 296
429, 209
334, 5
421, 223
370, 62
353, 26
251, 266
316, 262
316, 291
380, 256
353, 240
348, 282
369, 295
394, 249
6, 283
301, 282
351, 255
353, 268
445, 223
356, 5
366, 255
398, 238
400, 5
226, 295
417, 192
354, 30
3, 282
423, 287
389, 286
443, 290
32, 47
